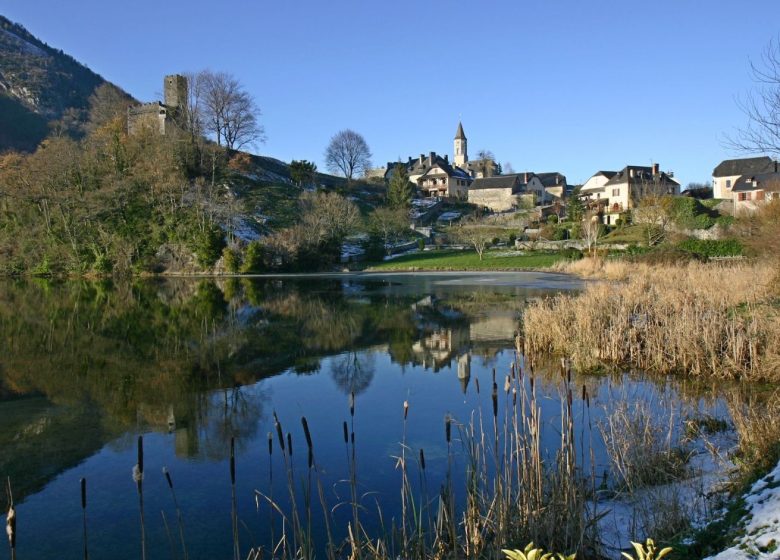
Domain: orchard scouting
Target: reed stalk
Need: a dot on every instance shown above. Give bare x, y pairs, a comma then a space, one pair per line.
179, 518
233, 505
10, 520
83, 484
138, 477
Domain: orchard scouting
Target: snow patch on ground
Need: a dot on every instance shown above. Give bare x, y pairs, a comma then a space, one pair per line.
761, 539
22, 45
632, 517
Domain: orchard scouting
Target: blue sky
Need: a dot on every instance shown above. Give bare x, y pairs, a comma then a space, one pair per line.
566, 85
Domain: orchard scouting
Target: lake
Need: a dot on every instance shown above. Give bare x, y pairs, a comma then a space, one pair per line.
87, 367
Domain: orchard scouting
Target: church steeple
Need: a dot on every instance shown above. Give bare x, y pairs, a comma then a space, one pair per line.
461, 147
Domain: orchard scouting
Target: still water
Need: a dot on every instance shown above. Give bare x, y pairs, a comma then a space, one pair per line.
87, 367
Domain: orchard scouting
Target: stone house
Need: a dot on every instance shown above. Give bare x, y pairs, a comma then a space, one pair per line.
554, 184
442, 180
751, 191
728, 172
499, 194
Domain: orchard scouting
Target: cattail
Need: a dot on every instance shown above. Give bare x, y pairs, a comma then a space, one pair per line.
352, 403
352, 436
308, 440
289, 443
448, 427
476, 384
584, 392
232, 460
569, 397
422, 459
279, 433
83, 482
406, 409
512, 370
494, 376
494, 396
346, 432
141, 455
270, 443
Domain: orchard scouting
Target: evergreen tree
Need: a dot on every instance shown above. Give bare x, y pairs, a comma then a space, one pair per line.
400, 190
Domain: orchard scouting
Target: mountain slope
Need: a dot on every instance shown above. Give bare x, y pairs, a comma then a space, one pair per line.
38, 84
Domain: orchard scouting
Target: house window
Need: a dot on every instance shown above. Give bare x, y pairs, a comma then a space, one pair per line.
728, 184
616, 192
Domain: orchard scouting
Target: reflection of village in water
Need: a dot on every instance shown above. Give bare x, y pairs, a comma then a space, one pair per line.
189, 358
461, 338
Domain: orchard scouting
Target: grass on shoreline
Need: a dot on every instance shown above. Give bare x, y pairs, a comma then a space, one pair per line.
468, 260
706, 320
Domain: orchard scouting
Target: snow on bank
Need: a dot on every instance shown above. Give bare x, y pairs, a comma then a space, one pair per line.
761, 536
633, 517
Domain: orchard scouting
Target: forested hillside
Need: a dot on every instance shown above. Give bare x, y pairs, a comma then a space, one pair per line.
39, 86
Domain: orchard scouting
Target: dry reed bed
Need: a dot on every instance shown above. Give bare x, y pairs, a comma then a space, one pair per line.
698, 319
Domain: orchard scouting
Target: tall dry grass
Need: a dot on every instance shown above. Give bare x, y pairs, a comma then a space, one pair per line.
697, 319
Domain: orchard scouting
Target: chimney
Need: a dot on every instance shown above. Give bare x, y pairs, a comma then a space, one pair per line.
410, 160
422, 158
447, 159
525, 177
775, 166
432, 155
631, 173
655, 169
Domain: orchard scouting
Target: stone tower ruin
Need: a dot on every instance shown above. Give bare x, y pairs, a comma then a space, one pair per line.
161, 117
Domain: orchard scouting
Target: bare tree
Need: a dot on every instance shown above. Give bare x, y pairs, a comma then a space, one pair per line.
348, 154
762, 107
654, 216
475, 234
508, 169
328, 216
591, 230
228, 112
486, 163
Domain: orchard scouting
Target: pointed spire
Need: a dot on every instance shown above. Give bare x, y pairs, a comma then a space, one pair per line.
460, 134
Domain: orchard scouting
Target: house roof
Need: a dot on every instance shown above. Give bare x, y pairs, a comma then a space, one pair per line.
497, 182
459, 135
731, 167
551, 179
763, 181
640, 173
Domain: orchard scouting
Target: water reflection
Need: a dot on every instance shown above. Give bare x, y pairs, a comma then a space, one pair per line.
84, 362
85, 367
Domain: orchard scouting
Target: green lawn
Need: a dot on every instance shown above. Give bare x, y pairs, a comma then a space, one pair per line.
468, 260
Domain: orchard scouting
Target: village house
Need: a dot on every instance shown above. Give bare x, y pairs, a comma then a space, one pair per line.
629, 186
593, 188
499, 194
554, 184
728, 172
751, 191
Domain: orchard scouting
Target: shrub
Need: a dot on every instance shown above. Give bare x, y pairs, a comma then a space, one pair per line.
254, 258
552, 219
231, 258
665, 255
495, 241
42, 268
712, 247
208, 244
571, 253
421, 244
374, 248
689, 213
512, 239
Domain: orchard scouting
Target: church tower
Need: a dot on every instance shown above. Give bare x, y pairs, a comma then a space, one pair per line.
461, 149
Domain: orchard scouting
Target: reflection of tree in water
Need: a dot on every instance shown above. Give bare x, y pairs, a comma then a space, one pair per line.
353, 372
219, 416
